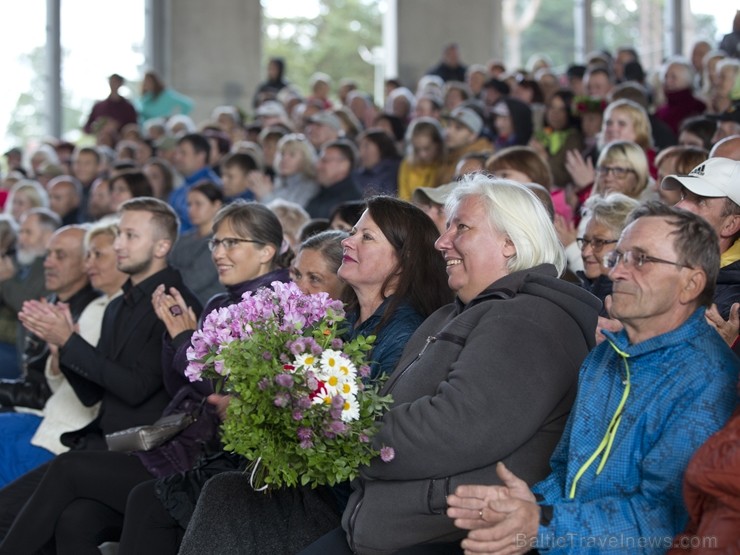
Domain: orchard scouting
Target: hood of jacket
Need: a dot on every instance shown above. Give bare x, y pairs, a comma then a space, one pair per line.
542, 281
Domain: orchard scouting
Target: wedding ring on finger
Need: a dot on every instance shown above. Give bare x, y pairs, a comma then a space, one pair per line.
175, 310
480, 514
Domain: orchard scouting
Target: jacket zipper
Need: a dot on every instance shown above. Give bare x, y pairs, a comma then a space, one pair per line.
431, 339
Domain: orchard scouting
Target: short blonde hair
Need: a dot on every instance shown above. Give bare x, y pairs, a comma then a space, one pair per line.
639, 118
516, 212
105, 226
300, 143
628, 154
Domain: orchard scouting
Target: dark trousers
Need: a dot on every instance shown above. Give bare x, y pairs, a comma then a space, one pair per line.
335, 542
148, 527
78, 504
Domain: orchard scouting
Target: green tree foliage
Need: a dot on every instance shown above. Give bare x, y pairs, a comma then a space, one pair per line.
615, 24
28, 120
327, 43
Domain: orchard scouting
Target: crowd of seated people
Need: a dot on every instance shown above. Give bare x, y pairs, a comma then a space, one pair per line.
550, 263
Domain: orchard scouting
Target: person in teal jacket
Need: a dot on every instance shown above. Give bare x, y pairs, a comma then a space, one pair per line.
158, 100
648, 396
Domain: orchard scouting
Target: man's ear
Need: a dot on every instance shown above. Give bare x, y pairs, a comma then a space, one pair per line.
730, 226
162, 248
693, 285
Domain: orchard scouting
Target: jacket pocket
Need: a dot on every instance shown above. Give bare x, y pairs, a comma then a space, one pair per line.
437, 494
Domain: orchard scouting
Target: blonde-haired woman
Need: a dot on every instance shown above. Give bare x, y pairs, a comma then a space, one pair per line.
23, 196
626, 120
295, 172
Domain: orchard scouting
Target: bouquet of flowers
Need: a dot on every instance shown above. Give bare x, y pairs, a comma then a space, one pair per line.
300, 410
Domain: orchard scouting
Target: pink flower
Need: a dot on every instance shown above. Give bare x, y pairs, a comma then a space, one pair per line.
387, 454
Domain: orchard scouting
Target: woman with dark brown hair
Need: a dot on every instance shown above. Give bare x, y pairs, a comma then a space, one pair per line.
127, 185
390, 263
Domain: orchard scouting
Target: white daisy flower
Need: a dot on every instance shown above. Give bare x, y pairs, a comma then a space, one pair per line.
351, 409
332, 378
347, 369
347, 387
305, 362
331, 361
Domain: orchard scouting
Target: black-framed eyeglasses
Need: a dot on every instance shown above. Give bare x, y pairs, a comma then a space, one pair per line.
229, 243
596, 244
637, 259
616, 171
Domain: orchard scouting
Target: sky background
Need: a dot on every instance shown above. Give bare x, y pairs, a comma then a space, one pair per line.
95, 51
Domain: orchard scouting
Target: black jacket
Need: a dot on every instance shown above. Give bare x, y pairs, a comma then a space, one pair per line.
125, 372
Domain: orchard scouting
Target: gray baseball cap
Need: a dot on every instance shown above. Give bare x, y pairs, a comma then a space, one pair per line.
467, 117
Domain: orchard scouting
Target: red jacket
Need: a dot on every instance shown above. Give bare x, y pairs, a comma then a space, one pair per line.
712, 494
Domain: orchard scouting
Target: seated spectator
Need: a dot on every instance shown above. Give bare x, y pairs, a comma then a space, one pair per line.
462, 135
379, 163
22, 278
667, 382
560, 134
625, 120
711, 494
239, 170
512, 122
191, 254
127, 185
679, 160
30, 440
621, 168
295, 173
65, 198
503, 259
161, 177
523, 164
10, 366
425, 154
697, 131
678, 86
345, 215
25, 195
192, 161
99, 201
292, 218
392, 238
432, 202
605, 218
334, 174
471, 162
123, 373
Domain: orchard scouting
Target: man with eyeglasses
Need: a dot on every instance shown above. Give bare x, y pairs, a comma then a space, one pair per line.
648, 397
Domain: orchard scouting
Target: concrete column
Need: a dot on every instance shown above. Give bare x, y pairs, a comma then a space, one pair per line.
213, 52
584, 29
673, 18
157, 37
53, 119
423, 27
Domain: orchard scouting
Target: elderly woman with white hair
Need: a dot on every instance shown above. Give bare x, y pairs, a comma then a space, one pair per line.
488, 378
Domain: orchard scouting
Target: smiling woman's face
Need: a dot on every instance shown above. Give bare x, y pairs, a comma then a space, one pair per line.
368, 258
475, 253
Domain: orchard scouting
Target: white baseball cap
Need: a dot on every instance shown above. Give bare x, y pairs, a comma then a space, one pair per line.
716, 177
